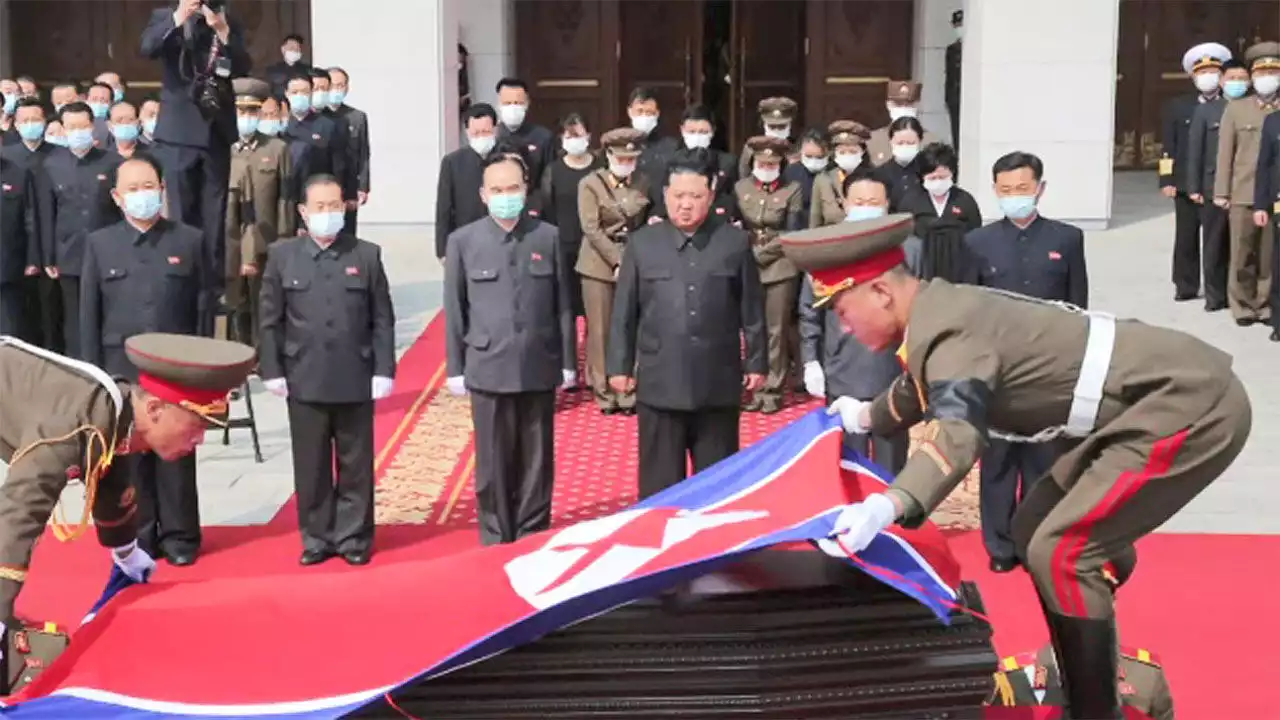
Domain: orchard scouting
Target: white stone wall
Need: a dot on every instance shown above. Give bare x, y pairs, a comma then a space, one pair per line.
933, 34
487, 28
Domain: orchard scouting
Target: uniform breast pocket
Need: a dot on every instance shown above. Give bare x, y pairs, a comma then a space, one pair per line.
482, 280
267, 168
178, 268
655, 275
113, 284
296, 283
355, 281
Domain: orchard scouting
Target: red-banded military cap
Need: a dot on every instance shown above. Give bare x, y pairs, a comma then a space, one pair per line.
194, 373
837, 257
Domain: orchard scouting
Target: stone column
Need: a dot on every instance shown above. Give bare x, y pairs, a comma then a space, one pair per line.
487, 28
933, 34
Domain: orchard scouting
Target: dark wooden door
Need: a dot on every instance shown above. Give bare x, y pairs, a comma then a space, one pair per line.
661, 49
768, 60
267, 22
855, 47
60, 42
567, 50
1130, 61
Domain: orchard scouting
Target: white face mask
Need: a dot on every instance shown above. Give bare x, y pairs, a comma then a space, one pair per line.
848, 161
896, 111
512, 115
782, 133
482, 145
1207, 82
938, 187
765, 175
622, 171
814, 164
697, 140
644, 123
575, 145
291, 57
904, 154
1266, 84
959, 31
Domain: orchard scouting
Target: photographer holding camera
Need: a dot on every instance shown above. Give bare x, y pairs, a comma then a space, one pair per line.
202, 51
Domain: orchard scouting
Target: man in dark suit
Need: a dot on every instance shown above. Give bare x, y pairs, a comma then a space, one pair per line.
141, 275
200, 49
357, 123
291, 64
328, 345
953, 73
686, 288
317, 142
43, 298
1200, 173
19, 242
1031, 255
458, 200
1266, 198
1204, 64
511, 342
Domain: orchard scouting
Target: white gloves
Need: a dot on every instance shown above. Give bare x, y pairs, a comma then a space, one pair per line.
133, 561
381, 386
815, 382
850, 412
859, 523
456, 385
277, 387
570, 379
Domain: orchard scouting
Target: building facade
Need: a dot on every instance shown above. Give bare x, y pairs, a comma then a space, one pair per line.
1080, 83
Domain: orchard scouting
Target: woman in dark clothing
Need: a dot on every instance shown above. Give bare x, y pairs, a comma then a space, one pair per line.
902, 172
944, 214
559, 195
815, 157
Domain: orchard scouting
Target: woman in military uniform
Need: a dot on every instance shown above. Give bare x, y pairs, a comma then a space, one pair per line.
612, 202
776, 114
849, 140
769, 207
902, 171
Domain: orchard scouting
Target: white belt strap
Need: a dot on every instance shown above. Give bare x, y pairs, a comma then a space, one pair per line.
1087, 396
84, 368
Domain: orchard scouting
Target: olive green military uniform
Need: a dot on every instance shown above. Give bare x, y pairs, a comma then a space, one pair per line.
260, 210
64, 420
1158, 415
609, 208
775, 112
827, 204
768, 210
1239, 138
903, 92
1032, 679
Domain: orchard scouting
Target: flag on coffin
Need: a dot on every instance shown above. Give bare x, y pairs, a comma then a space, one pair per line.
217, 648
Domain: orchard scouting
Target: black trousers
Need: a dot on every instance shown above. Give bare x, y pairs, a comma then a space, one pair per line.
889, 452
349, 221
1008, 472
953, 112
47, 299
515, 462
1186, 246
669, 438
13, 309
1217, 248
1274, 293
70, 287
168, 502
333, 513
195, 181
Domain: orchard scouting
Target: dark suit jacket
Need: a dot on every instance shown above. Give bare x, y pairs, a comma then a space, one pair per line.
458, 200
180, 121
1046, 260
357, 146
19, 220
1266, 189
1177, 128
1201, 169
279, 74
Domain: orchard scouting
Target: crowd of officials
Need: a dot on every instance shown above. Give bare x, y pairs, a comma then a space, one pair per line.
225, 205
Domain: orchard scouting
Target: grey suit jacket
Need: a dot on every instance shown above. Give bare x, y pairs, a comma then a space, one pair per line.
358, 152
851, 368
509, 319
1200, 170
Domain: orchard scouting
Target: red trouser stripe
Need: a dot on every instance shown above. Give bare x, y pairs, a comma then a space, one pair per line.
1071, 547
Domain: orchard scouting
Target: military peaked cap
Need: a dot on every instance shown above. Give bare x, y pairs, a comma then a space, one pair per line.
1263, 56
777, 110
848, 132
624, 142
250, 92
837, 257
1205, 56
903, 91
195, 373
766, 147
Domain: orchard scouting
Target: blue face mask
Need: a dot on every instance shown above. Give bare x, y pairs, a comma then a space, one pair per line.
1235, 89
125, 133
143, 204
337, 97
31, 131
320, 99
325, 225
117, 95
10, 103
299, 104
59, 140
865, 212
247, 125
1018, 207
149, 126
99, 110
269, 127
507, 206
79, 139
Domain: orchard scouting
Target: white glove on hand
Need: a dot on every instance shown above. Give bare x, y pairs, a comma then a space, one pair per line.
815, 382
381, 386
570, 379
456, 385
277, 387
134, 561
850, 412
859, 523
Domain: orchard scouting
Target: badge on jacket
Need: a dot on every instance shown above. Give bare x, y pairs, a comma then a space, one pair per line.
7, 187
535, 257
353, 271
175, 260
1055, 255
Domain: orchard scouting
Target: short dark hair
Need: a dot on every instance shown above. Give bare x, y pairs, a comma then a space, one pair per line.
936, 155
696, 161
301, 75
1233, 64
104, 86
815, 135
25, 78
67, 84
138, 158
572, 119
698, 111
862, 173
477, 111
511, 82
294, 37
317, 180
29, 101
337, 69
641, 94
512, 149
1016, 161
124, 102
906, 122
318, 74
71, 108
505, 154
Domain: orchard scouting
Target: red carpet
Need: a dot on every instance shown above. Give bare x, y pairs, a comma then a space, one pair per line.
1187, 602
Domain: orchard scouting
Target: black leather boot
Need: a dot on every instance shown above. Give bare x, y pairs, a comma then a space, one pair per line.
1086, 650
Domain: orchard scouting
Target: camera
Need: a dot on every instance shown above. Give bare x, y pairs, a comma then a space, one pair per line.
216, 5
